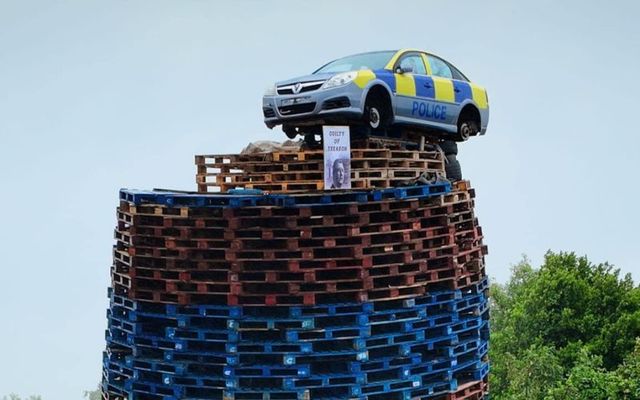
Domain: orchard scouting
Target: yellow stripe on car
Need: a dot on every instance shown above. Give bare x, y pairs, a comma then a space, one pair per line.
364, 77
426, 63
395, 57
405, 85
479, 96
444, 89
393, 60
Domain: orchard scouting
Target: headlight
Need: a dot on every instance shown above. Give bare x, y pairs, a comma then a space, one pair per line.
270, 91
340, 79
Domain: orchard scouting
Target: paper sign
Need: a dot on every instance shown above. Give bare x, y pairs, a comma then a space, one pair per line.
337, 157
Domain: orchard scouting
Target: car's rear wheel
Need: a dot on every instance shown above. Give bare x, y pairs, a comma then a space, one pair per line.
467, 129
449, 147
452, 168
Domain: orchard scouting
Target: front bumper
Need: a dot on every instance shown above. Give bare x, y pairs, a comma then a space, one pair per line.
333, 105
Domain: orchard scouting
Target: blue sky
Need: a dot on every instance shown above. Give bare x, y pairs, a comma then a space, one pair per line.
98, 95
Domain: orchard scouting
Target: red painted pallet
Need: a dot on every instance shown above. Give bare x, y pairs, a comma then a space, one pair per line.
476, 390
272, 255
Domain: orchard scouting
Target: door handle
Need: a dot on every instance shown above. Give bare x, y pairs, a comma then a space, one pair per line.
427, 85
456, 90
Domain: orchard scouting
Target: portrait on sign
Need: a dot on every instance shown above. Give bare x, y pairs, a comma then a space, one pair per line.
337, 157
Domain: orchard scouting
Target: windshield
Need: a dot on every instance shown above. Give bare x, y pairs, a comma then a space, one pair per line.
376, 60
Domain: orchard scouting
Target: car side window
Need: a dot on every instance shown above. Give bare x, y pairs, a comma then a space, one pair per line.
439, 67
414, 61
457, 74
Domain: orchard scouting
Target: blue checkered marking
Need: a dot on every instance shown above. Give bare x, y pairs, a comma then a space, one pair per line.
425, 87
387, 77
462, 91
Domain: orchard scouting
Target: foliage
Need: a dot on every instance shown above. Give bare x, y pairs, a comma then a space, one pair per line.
529, 374
93, 394
587, 380
88, 394
629, 371
565, 331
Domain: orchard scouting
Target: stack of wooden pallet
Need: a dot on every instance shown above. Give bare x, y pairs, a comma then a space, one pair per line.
363, 294
298, 170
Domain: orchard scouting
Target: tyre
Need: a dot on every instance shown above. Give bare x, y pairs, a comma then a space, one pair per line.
290, 131
467, 129
452, 168
376, 114
449, 147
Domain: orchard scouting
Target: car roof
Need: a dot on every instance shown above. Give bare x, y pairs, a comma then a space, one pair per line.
402, 51
397, 53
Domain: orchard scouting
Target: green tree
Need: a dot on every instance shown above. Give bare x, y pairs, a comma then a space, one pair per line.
531, 374
572, 302
564, 330
504, 346
93, 394
629, 372
588, 380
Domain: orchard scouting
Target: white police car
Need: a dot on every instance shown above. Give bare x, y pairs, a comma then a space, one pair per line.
379, 89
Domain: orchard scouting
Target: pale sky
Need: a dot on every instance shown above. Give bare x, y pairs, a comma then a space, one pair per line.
98, 95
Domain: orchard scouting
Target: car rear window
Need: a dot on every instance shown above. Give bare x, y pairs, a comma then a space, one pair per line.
439, 67
375, 60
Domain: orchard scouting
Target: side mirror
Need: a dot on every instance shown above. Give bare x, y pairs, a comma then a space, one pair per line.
404, 70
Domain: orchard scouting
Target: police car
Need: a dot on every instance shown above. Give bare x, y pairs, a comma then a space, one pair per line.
381, 89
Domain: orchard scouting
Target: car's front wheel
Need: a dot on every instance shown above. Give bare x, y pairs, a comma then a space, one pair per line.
377, 113
374, 117
290, 131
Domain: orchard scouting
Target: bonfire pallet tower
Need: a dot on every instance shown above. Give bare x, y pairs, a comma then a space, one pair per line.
375, 293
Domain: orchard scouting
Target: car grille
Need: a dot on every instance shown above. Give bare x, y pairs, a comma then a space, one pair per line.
306, 87
297, 109
268, 112
338, 102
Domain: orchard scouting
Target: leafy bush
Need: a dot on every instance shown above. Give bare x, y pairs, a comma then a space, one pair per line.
565, 331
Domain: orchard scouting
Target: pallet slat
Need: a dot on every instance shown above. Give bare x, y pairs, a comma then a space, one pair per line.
287, 171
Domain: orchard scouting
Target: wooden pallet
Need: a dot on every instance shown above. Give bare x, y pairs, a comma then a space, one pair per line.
303, 170
298, 255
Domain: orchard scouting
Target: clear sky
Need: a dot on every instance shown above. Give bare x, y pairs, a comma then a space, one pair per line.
98, 95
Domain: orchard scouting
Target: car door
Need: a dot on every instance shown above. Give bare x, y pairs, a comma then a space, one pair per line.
406, 87
447, 91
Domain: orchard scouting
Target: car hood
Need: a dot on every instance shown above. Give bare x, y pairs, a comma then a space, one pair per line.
306, 78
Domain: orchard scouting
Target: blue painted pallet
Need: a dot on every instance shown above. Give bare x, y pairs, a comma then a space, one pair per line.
474, 372
413, 386
121, 333
307, 317
321, 378
300, 323
436, 317
285, 341
167, 391
388, 346
391, 344
235, 200
479, 287
447, 347
431, 389
389, 306
357, 386
458, 358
